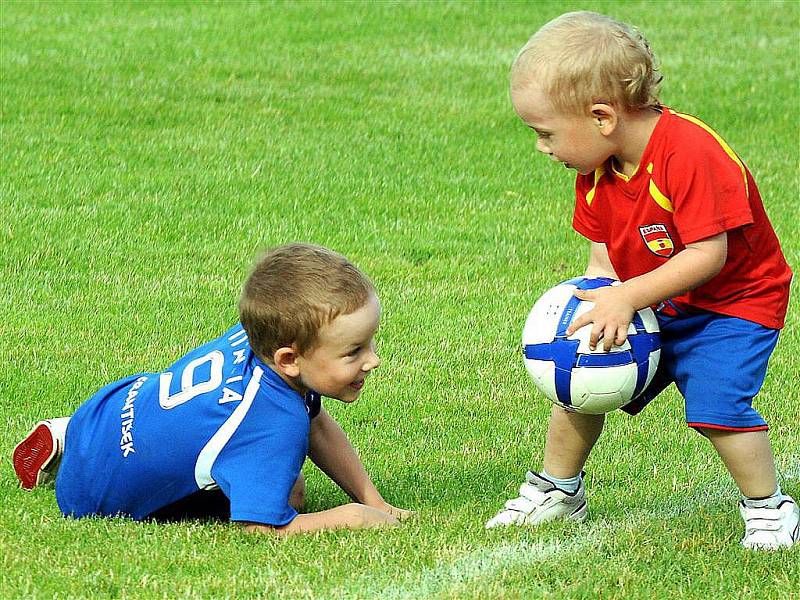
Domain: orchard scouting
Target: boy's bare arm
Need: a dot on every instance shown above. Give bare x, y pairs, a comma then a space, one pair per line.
599, 263
331, 450
614, 306
348, 516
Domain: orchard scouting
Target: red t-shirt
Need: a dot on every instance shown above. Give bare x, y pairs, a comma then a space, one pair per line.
689, 186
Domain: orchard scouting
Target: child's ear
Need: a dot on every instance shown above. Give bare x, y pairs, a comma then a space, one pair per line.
605, 117
285, 360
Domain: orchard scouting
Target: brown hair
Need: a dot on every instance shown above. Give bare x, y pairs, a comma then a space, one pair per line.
582, 58
293, 291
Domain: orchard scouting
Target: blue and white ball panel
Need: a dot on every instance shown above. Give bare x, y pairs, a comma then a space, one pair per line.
567, 371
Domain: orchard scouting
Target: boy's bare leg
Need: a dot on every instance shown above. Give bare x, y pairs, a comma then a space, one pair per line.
570, 438
772, 520
748, 457
297, 497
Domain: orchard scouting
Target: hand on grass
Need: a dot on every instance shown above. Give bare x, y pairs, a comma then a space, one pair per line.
400, 514
375, 500
375, 517
611, 316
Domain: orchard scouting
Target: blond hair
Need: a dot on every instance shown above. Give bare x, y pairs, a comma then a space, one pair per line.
582, 58
293, 291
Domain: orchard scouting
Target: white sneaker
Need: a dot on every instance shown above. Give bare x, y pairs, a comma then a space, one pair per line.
770, 527
38, 455
539, 501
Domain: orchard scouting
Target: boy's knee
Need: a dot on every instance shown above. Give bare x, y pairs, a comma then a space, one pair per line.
561, 418
297, 497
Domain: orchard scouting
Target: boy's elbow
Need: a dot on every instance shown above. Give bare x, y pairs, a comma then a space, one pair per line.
718, 265
711, 256
716, 261
258, 528
266, 529
713, 267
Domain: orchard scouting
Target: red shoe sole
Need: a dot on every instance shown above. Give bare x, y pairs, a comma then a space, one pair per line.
33, 454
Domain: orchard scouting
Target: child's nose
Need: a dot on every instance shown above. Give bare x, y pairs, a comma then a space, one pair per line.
541, 147
372, 362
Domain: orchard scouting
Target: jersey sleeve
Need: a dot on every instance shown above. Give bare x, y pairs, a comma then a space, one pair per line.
708, 187
584, 220
259, 466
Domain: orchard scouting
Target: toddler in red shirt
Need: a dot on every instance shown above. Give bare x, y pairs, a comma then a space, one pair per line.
673, 213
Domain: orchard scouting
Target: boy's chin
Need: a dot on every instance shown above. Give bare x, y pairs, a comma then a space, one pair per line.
579, 170
348, 397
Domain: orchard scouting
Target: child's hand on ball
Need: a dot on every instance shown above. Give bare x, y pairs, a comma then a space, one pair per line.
611, 316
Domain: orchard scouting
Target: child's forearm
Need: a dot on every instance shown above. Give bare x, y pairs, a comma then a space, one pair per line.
690, 268
599, 262
614, 306
695, 265
331, 450
348, 516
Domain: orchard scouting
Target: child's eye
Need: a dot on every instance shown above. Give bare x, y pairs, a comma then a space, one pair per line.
354, 351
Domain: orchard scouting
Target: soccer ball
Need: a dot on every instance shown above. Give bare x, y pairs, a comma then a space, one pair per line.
568, 372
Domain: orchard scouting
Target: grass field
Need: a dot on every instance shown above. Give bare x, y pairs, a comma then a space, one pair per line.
149, 150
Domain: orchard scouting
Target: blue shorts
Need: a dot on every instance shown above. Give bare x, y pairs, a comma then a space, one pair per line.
718, 364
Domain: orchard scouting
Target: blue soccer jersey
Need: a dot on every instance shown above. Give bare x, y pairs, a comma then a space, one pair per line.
217, 418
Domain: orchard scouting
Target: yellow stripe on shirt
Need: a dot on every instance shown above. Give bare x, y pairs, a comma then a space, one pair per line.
728, 150
656, 194
598, 173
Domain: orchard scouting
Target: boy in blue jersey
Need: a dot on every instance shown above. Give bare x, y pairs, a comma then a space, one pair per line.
225, 430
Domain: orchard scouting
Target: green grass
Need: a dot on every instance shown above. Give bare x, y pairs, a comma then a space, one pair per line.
149, 150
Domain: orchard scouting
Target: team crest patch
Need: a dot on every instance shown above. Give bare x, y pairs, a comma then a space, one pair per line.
657, 239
